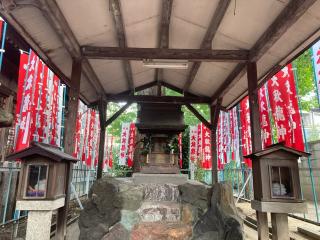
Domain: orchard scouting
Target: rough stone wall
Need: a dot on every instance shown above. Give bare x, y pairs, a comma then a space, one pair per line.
117, 209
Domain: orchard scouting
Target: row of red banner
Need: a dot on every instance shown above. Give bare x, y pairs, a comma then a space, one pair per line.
40, 103
278, 94
87, 135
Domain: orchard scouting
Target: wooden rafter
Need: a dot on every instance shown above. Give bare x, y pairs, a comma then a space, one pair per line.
119, 25
220, 55
163, 36
117, 114
56, 19
158, 99
289, 15
208, 38
198, 115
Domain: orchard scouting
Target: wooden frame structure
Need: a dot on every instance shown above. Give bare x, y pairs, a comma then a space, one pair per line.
84, 71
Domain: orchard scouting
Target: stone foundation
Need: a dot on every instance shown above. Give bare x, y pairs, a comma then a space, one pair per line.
119, 209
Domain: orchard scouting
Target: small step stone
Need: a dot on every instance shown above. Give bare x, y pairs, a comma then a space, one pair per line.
160, 211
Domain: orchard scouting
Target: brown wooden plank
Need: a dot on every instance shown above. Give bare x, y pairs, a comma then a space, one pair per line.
214, 117
117, 114
163, 36
288, 16
208, 38
115, 9
220, 55
198, 115
102, 106
70, 129
254, 106
158, 53
157, 99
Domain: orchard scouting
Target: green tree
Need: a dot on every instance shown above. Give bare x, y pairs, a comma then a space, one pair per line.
304, 75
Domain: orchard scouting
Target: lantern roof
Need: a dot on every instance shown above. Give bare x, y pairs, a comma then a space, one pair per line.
277, 147
44, 150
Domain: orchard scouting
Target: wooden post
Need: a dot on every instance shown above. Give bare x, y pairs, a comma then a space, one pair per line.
70, 126
214, 114
262, 217
102, 114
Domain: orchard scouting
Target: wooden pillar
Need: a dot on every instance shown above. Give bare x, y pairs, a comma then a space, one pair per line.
214, 117
262, 217
102, 114
70, 129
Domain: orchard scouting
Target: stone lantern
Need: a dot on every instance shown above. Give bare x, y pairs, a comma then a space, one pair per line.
277, 185
42, 185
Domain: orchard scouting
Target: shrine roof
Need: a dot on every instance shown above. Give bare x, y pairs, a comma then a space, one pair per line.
269, 32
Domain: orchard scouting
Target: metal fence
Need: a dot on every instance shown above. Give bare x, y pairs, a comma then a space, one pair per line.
82, 179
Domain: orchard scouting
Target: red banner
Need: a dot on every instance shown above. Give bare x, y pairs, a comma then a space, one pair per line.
245, 130
219, 143
23, 133
180, 149
90, 137
132, 135
284, 105
199, 142
266, 137
206, 146
43, 105
193, 143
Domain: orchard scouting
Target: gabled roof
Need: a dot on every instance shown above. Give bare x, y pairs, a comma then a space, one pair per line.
272, 32
42, 149
278, 147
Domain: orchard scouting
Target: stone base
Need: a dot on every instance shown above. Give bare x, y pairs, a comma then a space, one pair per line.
40, 205
39, 225
153, 169
177, 179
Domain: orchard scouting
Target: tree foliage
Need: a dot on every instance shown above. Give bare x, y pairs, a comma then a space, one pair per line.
304, 75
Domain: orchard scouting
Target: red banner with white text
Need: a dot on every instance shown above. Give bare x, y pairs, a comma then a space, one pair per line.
284, 105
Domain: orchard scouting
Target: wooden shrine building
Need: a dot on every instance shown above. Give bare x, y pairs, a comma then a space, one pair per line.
212, 52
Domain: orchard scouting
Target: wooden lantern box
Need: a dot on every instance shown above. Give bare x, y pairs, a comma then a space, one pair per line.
276, 174
276, 179
43, 172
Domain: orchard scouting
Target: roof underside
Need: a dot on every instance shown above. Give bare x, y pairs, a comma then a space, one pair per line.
92, 23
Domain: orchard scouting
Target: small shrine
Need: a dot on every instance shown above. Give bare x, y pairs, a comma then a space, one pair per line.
158, 124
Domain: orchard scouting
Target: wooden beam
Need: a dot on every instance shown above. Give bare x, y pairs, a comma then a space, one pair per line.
198, 115
208, 38
115, 9
102, 106
214, 114
117, 114
59, 24
220, 55
157, 99
70, 129
263, 231
289, 15
163, 36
